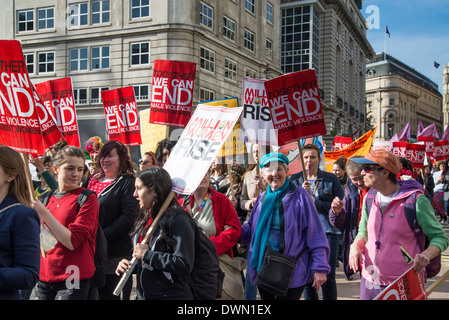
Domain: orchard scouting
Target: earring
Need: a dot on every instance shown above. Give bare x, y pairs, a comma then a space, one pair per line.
7, 181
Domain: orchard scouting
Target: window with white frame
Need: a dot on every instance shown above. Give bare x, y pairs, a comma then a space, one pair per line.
25, 20
46, 62
250, 73
80, 96
207, 59
78, 59
100, 57
249, 5
228, 28
230, 67
140, 53
100, 12
140, 9
269, 12
206, 95
141, 91
269, 47
29, 61
46, 18
248, 41
206, 15
79, 14
95, 95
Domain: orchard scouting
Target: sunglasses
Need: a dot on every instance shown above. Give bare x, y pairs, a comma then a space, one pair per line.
370, 167
144, 162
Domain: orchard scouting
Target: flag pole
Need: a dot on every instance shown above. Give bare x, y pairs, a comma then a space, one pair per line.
385, 45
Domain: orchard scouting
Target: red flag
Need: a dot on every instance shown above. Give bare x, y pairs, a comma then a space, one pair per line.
57, 97
409, 286
172, 92
295, 106
122, 121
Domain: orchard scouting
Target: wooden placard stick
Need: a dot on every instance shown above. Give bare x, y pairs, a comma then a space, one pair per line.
304, 170
145, 240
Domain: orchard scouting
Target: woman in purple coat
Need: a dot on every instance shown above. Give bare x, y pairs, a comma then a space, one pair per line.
298, 224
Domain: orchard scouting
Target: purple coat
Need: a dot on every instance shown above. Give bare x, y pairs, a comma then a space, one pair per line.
303, 230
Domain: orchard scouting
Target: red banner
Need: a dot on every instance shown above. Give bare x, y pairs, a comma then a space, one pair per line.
20, 126
122, 121
416, 153
340, 143
295, 106
399, 148
172, 92
407, 287
57, 97
441, 150
429, 143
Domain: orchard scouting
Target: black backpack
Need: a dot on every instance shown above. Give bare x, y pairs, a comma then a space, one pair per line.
101, 244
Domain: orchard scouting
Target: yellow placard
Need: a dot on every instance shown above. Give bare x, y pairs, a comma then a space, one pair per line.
151, 133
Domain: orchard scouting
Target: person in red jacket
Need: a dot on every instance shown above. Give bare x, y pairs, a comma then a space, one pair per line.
215, 215
67, 262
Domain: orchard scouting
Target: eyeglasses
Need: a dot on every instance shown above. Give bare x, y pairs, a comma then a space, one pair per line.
144, 162
370, 167
357, 180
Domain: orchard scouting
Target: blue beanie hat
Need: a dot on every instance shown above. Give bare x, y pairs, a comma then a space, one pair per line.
273, 156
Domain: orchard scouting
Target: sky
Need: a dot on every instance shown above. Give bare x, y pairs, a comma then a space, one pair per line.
419, 33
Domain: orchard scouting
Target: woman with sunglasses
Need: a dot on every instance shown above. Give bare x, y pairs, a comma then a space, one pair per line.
385, 235
345, 213
323, 187
148, 160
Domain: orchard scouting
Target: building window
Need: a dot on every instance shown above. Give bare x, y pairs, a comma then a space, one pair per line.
26, 20
80, 96
249, 5
29, 61
390, 130
46, 18
206, 95
141, 91
95, 95
46, 62
100, 58
269, 12
206, 15
250, 73
207, 60
79, 14
101, 12
269, 47
299, 25
228, 28
230, 67
140, 53
249, 40
140, 9
78, 59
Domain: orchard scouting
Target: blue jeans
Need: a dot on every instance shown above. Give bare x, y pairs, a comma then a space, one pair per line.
250, 290
329, 288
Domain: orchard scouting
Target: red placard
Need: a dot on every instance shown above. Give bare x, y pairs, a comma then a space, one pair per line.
122, 121
407, 287
441, 150
57, 97
429, 143
295, 106
21, 117
399, 148
340, 143
172, 92
416, 153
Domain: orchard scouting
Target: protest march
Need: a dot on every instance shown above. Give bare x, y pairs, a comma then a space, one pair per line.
247, 203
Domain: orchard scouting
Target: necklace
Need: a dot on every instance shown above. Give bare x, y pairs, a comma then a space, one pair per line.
56, 200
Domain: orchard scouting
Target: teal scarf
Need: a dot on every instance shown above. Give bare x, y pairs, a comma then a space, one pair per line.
269, 206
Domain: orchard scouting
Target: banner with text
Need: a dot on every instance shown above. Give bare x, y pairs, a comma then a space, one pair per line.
441, 150
360, 147
57, 97
416, 153
199, 144
409, 286
429, 143
172, 92
295, 106
233, 145
122, 121
256, 124
20, 126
